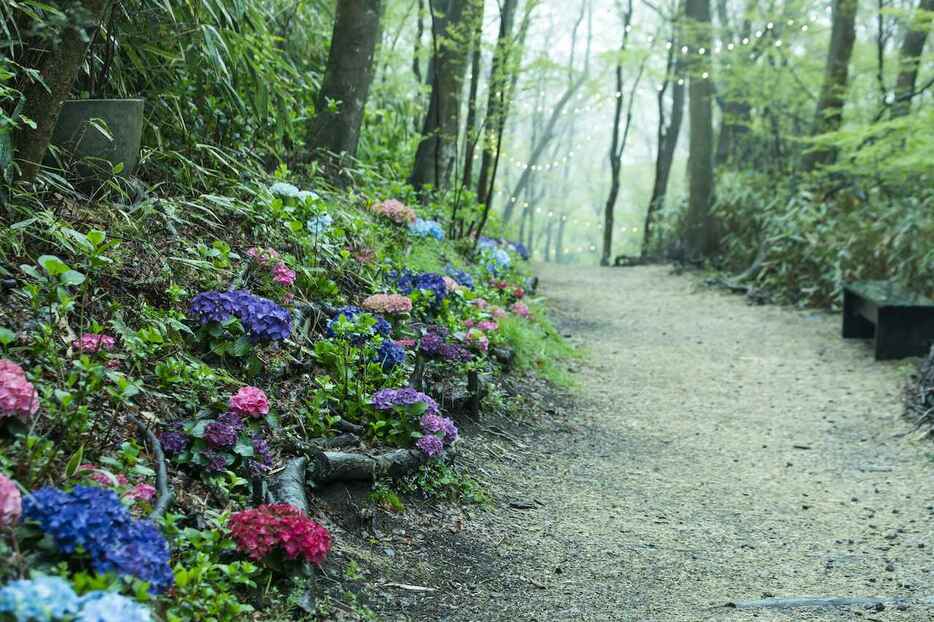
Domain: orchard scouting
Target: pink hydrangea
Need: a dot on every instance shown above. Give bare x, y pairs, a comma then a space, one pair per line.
406, 343
287, 298
498, 312
142, 492
481, 303
389, 304
364, 255
469, 323
103, 477
250, 401
396, 211
262, 256
282, 275
89, 342
11, 502
477, 339
487, 325
17, 395
520, 309
451, 284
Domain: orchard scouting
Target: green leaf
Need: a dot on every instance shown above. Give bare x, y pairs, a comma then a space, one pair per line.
96, 236
7, 336
241, 347
72, 277
74, 462
244, 448
198, 430
53, 265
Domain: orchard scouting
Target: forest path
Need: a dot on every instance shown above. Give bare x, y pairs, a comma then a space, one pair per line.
720, 452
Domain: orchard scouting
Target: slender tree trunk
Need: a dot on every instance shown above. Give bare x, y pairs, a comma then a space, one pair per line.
437, 151
497, 102
419, 33
829, 115
700, 229
909, 58
347, 78
472, 132
44, 97
559, 240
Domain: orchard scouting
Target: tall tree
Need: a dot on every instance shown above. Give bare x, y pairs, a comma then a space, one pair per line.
736, 110
45, 92
668, 131
829, 114
497, 102
437, 151
700, 235
472, 131
909, 58
335, 128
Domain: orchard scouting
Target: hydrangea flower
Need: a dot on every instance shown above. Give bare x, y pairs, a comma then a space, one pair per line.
89, 342
518, 292
443, 427
390, 304
520, 249
460, 276
396, 211
250, 402
497, 261
282, 275
480, 303
11, 502
279, 527
451, 284
304, 195
262, 455
173, 440
283, 189
498, 312
433, 344
220, 435
142, 492
319, 224
426, 228
487, 325
388, 399
408, 282
520, 309
216, 461
477, 339
104, 477
111, 607
430, 445
262, 256
350, 313
262, 319
390, 354
40, 599
95, 520
17, 395
364, 255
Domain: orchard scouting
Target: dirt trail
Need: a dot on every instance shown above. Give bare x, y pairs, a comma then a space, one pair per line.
719, 452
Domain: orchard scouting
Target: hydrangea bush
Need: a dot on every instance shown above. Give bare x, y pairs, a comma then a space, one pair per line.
282, 529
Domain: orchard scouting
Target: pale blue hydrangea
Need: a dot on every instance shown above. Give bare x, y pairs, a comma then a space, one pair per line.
304, 195
111, 607
497, 261
284, 189
319, 224
42, 599
425, 228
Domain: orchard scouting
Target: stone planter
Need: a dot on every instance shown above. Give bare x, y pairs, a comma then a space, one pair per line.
78, 137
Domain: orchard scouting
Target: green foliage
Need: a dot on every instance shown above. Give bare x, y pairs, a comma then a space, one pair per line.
537, 346
437, 480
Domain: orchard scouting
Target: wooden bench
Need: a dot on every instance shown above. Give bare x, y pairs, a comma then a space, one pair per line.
901, 323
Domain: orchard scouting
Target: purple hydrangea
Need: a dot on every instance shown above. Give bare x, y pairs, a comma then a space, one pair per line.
434, 345
262, 319
220, 435
217, 462
94, 520
387, 399
430, 445
233, 420
174, 441
262, 455
435, 424
407, 282
390, 354
460, 276
450, 431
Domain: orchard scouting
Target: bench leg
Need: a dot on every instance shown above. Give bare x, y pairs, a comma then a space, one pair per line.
855, 326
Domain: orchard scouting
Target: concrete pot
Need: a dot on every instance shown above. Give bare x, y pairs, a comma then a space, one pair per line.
77, 137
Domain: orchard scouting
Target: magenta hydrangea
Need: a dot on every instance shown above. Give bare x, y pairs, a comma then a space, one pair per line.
89, 342
17, 395
282, 275
250, 402
11, 502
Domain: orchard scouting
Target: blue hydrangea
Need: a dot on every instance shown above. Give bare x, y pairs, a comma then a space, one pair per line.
350, 313
111, 607
95, 520
262, 319
319, 224
497, 261
304, 195
390, 354
41, 599
426, 281
284, 189
520, 249
426, 228
460, 276
485, 243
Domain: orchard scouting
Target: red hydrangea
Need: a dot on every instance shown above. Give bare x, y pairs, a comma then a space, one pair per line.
279, 527
250, 401
17, 395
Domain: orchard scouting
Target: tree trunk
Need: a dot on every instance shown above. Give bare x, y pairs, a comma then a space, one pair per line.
909, 58
347, 78
472, 132
829, 115
699, 232
559, 240
437, 151
497, 102
44, 96
417, 49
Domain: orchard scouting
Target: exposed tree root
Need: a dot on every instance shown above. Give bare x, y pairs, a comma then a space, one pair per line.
165, 494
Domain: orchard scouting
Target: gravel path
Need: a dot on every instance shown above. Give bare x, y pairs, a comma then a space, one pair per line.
719, 452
